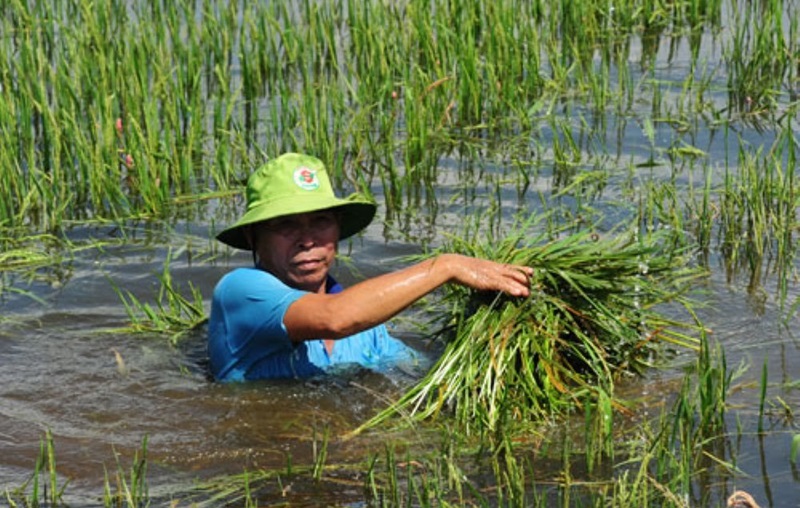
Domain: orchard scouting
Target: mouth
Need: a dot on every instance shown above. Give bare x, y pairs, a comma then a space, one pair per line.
307, 264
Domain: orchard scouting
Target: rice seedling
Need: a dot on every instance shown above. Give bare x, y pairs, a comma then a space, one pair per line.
28, 260
741, 213
692, 447
593, 318
760, 58
196, 85
128, 489
676, 458
320, 452
238, 490
251, 487
42, 488
33, 252
757, 215
173, 314
763, 397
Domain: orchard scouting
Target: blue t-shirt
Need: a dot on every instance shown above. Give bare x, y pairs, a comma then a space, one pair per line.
248, 340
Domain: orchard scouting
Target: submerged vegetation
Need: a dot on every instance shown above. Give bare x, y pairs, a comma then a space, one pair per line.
679, 117
174, 314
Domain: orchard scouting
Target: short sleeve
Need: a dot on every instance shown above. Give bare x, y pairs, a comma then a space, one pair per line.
246, 322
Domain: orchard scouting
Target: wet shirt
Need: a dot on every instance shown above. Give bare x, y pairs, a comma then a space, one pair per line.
248, 340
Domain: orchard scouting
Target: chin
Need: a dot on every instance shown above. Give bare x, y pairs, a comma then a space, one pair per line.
311, 284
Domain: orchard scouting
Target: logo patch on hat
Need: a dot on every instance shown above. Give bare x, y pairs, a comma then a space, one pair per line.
306, 178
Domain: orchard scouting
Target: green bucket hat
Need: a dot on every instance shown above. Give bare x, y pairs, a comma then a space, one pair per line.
295, 183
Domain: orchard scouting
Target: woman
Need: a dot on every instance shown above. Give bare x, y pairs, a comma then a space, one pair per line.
286, 317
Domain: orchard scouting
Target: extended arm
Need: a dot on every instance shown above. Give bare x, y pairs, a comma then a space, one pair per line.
376, 300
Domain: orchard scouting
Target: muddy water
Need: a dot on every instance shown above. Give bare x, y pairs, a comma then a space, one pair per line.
101, 392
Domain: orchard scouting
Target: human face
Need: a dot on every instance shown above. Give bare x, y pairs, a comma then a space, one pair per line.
299, 249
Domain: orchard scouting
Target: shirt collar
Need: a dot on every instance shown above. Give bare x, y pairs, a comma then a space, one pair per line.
331, 286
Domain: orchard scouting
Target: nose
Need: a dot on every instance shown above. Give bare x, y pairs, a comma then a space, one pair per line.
305, 234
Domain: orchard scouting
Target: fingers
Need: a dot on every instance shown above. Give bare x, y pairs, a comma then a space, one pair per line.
514, 279
526, 272
485, 275
521, 276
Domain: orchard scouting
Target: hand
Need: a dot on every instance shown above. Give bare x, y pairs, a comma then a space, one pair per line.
485, 275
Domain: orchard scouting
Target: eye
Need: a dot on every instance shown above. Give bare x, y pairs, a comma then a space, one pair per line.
323, 221
283, 227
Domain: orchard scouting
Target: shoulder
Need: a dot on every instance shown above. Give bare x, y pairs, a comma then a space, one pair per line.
248, 276
244, 274
251, 283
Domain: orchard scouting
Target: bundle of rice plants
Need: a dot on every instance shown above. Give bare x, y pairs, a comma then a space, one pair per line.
593, 317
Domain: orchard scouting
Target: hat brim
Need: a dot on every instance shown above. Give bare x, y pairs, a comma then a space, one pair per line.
356, 212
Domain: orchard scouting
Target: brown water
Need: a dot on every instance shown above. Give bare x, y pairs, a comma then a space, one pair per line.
60, 371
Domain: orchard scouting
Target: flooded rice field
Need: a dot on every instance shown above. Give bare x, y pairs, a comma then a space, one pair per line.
127, 129
101, 392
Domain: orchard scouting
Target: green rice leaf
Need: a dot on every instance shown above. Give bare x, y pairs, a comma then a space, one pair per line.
592, 318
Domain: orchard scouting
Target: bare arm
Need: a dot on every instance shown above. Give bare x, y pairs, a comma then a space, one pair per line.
373, 301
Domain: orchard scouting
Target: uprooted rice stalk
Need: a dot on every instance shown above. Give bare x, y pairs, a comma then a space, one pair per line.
592, 318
